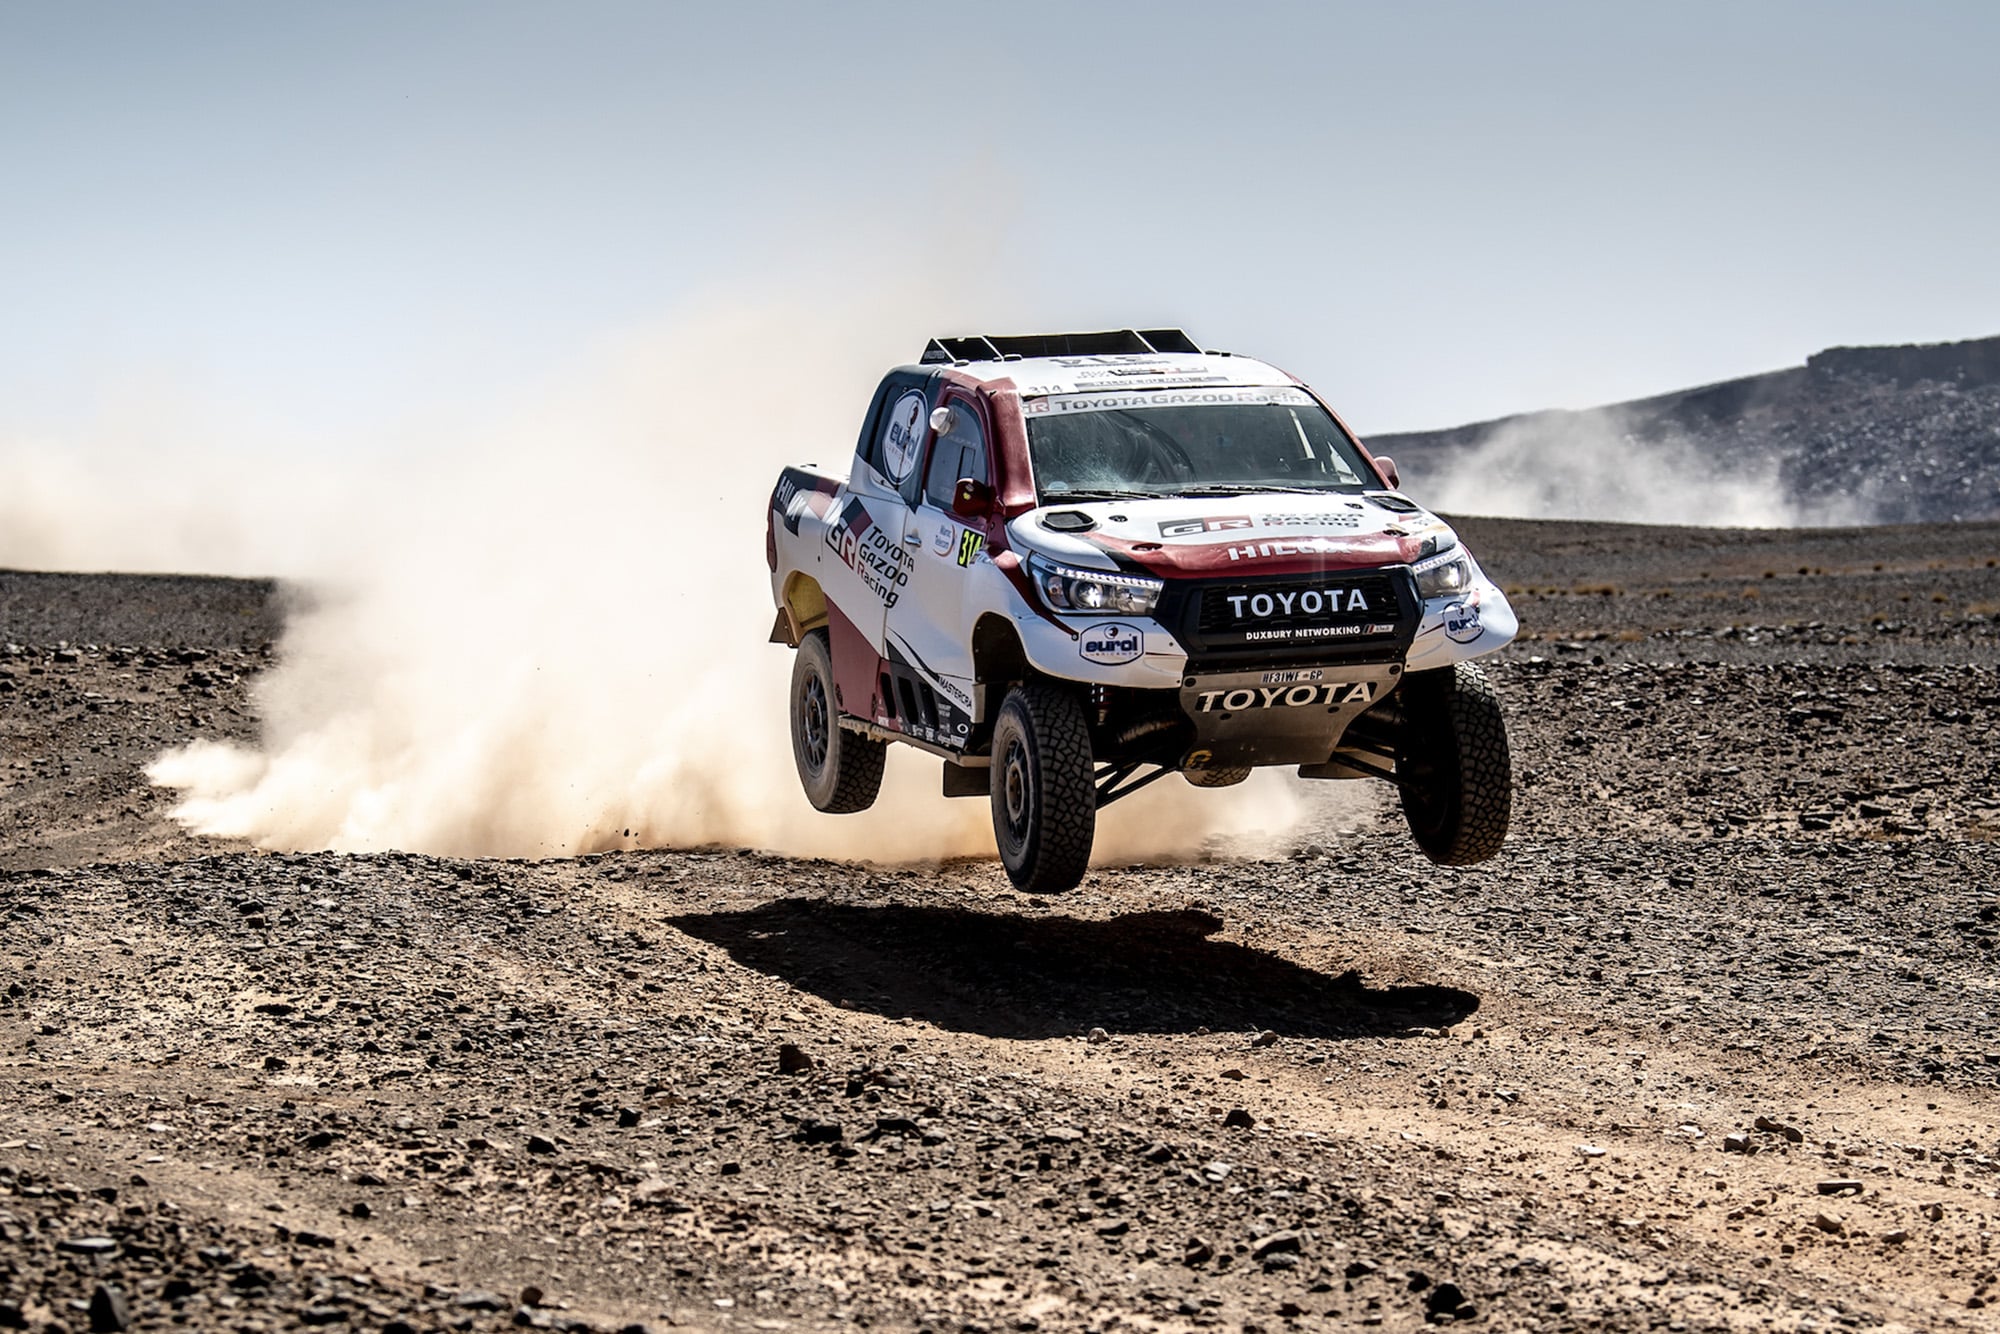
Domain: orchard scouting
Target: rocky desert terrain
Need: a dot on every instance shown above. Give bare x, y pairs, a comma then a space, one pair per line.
1712, 1045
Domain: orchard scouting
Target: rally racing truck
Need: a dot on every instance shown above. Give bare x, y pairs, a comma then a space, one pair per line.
1072, 564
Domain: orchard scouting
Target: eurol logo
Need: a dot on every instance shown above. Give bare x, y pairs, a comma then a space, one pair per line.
1111, 643
1461, 622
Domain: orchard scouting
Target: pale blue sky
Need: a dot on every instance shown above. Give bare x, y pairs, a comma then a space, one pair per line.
330, 216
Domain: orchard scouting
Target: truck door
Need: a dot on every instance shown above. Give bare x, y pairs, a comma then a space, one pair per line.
928, 629
866, 567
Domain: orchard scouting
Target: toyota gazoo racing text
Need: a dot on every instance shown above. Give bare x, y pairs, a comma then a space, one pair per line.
1071, 564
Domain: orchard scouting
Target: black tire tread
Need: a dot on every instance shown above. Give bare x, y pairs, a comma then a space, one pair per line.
1060, 845
1484, 796
857, 760
860, 780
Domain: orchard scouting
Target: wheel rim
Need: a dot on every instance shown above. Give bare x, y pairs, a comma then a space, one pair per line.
1014, 782
813, 722
1420, 773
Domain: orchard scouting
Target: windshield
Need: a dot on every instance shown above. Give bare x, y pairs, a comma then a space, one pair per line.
1181, 442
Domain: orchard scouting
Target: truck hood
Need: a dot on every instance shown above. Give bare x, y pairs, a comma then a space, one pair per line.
1277, 533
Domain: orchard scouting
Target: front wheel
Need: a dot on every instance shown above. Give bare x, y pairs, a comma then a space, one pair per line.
1044, 789
840, 770
1452, 765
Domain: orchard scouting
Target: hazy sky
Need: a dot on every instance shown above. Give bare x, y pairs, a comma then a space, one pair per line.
329, 216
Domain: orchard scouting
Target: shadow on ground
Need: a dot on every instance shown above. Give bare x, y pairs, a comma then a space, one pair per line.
1039, 977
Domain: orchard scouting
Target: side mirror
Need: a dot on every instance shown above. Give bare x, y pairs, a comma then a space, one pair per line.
942, 420
1387, 467
971, 499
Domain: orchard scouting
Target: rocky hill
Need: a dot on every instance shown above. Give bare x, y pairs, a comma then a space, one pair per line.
1905, 434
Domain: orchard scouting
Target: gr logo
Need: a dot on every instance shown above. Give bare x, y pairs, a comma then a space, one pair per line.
1111, 643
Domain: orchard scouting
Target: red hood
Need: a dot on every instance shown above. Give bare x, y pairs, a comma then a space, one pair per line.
1262, 553
1244, 537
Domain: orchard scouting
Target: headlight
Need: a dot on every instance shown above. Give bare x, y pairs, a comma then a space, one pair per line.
1443, 576
1065, 588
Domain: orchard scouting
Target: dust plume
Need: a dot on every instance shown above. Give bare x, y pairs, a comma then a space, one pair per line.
110, 504
551, 639
1597, 465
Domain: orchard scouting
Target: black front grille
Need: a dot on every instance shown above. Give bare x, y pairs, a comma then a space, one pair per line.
1327, 602
1364, 615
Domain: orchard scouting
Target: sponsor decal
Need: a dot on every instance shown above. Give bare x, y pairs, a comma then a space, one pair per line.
970, 544
904, 435
941, 540
1461, 622
795, 510
883, 564
953, 735
1226, 523
1335, 519
1295, 602
1305, 547
1301, 696
788, 491
902, 655
1111, 643
1053, 401
1195, 527
1298, 632
795, 498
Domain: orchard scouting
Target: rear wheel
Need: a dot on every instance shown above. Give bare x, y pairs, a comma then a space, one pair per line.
1219, 777
1044, 793
1453, 766
840, 770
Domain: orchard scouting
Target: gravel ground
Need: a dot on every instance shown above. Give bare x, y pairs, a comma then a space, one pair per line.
1711, 1045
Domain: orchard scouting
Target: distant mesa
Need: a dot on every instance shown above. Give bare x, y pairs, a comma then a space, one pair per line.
1976, 362
1907, 434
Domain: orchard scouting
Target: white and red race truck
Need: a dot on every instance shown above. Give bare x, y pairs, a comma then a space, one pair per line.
1070, 564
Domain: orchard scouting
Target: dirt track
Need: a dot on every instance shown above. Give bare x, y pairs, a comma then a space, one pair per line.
1749, 904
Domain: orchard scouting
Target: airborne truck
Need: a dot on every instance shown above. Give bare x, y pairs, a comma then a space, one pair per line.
1071, 564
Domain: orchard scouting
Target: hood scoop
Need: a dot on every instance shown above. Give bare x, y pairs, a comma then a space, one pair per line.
1068, 521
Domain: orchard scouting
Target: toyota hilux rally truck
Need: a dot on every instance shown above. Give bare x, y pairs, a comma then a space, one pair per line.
1070, 564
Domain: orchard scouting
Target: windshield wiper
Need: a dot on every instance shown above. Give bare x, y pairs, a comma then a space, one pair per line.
1253, 489
1096, 493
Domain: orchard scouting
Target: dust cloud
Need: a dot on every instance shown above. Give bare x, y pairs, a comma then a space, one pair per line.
549, 638
1593, 465
93, 505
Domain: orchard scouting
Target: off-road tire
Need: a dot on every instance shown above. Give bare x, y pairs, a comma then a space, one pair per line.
840, 770
1217, 777
1044, 788
1453, 766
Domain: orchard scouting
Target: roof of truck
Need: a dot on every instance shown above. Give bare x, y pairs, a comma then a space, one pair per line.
1118, 359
